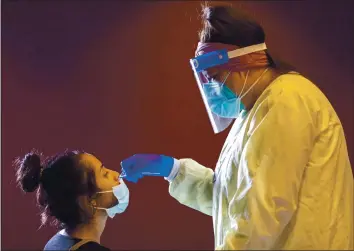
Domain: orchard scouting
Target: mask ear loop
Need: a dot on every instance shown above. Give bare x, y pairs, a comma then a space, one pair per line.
244, 83
259, 78
93, 208
225, 78
102, 208
110, 191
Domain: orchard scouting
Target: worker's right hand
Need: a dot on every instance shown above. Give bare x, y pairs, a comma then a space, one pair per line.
140, 165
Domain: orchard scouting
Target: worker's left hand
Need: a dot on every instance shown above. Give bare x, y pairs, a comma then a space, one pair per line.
140, 165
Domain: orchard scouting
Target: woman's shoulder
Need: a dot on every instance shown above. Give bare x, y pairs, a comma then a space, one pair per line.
60, 242
294, 90
64, 242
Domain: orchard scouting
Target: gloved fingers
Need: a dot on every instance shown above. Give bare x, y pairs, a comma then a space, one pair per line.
122, 173
128, 162
135, 163
131, 178
142, 164
149, 157
127, 166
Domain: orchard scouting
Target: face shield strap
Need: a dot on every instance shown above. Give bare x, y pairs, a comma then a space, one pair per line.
256, 82
247, 50
227, 76
244, 84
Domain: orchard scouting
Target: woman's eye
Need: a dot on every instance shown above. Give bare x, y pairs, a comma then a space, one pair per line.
106, 174
214, 79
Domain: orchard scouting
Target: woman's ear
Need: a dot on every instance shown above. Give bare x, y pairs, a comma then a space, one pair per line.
87, 207
93, 202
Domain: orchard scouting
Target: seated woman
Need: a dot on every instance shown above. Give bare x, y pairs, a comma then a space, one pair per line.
78, 192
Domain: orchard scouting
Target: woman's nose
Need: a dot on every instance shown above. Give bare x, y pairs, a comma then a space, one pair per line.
116, 176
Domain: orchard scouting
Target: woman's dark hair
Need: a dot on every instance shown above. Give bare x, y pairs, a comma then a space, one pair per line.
60, 181
227, 25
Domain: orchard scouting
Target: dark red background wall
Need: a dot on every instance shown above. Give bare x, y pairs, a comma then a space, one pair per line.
113, 78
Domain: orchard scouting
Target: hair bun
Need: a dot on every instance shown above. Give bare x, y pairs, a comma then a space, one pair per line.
29, 171
207, 12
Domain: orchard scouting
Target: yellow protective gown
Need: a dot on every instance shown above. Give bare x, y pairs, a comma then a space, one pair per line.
283, 179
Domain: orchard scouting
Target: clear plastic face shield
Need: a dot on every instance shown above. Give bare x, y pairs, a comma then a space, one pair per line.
201, 64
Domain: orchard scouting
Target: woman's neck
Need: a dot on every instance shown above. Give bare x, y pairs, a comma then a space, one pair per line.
89, 231
266, 79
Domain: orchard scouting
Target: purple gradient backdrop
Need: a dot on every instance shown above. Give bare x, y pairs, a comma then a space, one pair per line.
113, 78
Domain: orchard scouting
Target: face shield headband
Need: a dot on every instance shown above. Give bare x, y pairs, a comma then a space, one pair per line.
229, 57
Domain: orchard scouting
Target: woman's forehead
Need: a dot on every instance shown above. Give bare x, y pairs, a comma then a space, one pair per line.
91, 161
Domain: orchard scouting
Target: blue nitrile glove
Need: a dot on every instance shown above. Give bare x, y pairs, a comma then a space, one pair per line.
140, 165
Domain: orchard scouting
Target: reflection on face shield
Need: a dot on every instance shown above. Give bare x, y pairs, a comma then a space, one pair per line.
224, 102
221, 103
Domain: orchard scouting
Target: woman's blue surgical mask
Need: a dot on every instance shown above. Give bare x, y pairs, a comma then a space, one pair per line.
223, 101
121, 192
